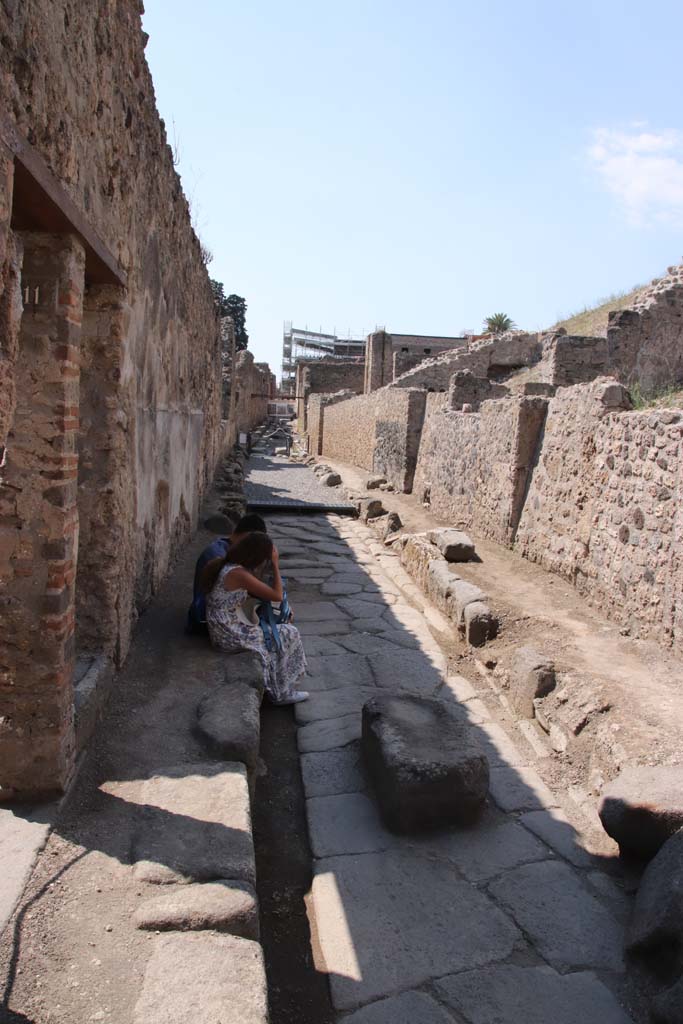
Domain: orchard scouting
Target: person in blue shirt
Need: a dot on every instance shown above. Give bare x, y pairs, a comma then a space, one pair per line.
196, 616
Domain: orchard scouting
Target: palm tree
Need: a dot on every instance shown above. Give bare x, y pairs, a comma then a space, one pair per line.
499, 323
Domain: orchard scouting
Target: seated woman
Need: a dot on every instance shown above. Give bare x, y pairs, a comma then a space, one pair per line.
229, 582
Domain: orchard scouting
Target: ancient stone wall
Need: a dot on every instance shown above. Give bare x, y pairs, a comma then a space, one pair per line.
317, 404
386, 354
645, 342
253, 387
350, 432
326, 377
574, 359
125, 462
446, 471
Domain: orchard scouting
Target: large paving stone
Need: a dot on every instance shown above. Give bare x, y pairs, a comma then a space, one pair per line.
203, 976
385, 642
425, 765
328, 772
333, 703
346, 823
558, 832
214, 906
520, 789
334, 588
410, 671
318, 611
568, 925
507, 994
643, 807
390, 921
657, 922
197, 824
329, 627
499, 748
329, 734
408, 1008
229, 722
333, 673
485, 850
362, 609
321, 647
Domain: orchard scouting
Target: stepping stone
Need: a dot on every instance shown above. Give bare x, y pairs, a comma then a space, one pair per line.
214, 906
454, 545
642, 808
568, 925
657, 922
345, 823
520, 789
424, 763
408, 1008
329, 772
394, 920
196, 824
203, 976
329, 734
507, 994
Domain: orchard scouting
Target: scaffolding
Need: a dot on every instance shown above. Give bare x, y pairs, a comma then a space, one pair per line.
299, 345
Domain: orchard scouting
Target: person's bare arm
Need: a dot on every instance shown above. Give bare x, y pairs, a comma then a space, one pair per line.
240, 578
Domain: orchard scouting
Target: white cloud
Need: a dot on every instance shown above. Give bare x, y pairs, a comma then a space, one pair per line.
644, 170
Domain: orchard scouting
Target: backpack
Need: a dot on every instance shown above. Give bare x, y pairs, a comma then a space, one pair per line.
269, 622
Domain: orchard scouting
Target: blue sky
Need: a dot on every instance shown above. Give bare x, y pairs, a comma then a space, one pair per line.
422, 166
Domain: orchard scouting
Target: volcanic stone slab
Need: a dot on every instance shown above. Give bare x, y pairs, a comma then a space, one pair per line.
495, 844
558, 832
203, 976
520, 789
643, 807
318, 611
214, 906
333, 703
229, 721
424, 763
346, 823
393, 920
408, 1008
410, 671
507, 994
197, 824
328, 772
657, 923
329, 734
568, 925
667, 1006
333, 673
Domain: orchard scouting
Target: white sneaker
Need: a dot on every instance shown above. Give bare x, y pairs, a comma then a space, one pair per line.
294, 698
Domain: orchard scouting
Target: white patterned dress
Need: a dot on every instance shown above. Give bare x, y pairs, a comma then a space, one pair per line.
231, 633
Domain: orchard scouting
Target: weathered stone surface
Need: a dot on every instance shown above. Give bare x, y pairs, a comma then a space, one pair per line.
369, 508
556, 830
203, 976
317, 611
520, 789
568, 925
666, 1007
345, 823
507, 994
406, 670
393, 920
335, 588
492, 845
481, 625
198, 824
333, 703
643, 807
336, 672
328, 772
330, 479
453, 545
408, 1008
657, 922
375, 481
329, 734
228, 720
425, 765
462, 594
214, 906
531, 674
498, 747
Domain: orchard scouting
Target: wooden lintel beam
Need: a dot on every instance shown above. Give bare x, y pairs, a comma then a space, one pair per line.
40, 203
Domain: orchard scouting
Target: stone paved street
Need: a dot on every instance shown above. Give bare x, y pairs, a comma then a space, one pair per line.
275, 478
510, 920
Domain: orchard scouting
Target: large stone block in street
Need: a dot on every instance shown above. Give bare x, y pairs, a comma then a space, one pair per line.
643, 807
426, 767
508, 994
203, 976
228, 720
390, 921
408, 1008
454, 545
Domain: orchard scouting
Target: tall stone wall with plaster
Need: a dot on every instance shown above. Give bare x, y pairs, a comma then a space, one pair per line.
136, 436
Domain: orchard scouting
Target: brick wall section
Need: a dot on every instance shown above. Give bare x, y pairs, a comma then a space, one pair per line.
38, 511
350, 432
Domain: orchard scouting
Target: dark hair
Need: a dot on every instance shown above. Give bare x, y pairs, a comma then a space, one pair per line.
250, 552
250, 524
